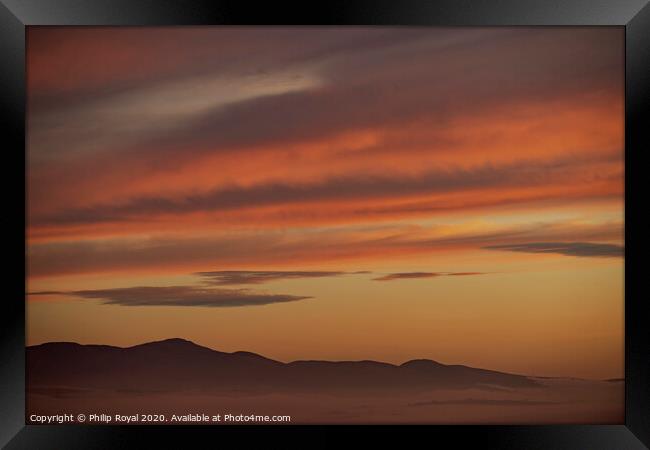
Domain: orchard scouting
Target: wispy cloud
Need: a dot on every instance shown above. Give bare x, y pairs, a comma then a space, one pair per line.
411, 275
462, 274
288, 248
407, 275
233, 277
178, 296
583, 249
350, 187
431, 85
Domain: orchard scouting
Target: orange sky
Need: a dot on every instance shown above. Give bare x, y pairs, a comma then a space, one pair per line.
310, 193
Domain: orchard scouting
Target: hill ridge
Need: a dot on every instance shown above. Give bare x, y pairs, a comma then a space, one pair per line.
176, 363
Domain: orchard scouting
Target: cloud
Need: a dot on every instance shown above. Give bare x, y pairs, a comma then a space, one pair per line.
349, 187
436, 71
283, 91
229, 277
463, 274
287, 248
411, 275
178, 296
171, 53
583, 249
201, 296
399, 276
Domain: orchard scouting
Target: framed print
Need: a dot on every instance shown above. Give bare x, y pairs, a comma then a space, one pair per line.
360, 216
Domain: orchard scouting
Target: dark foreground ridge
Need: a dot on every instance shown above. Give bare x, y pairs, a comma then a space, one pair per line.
180, 365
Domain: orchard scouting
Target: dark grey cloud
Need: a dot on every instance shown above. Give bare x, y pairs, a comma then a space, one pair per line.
463, 274
233, 277
178, 296
407, 275
583, 249
411, 275
520, 173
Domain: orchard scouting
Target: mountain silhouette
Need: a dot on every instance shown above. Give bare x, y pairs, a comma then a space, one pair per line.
180, 365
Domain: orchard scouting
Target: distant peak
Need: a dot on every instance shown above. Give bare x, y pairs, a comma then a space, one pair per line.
174, 341
422, 363
249, 354
171, 342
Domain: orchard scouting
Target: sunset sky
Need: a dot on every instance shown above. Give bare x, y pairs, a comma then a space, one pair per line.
331, 193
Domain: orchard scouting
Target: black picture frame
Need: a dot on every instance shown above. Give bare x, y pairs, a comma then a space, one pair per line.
633, 15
